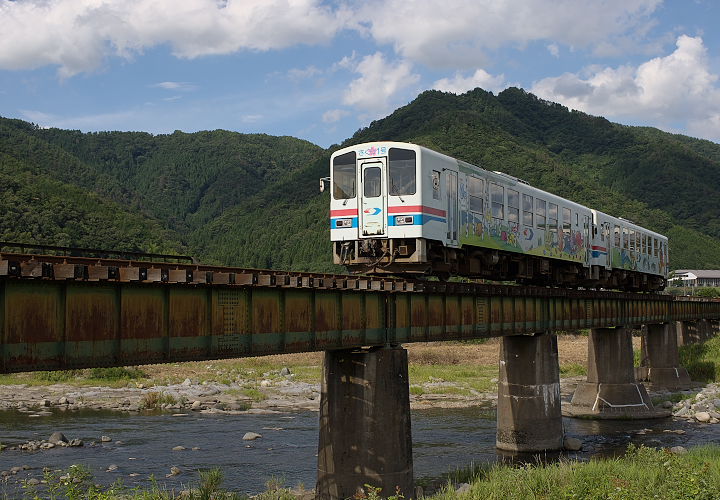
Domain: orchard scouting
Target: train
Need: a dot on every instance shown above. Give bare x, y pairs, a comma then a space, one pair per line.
402, 209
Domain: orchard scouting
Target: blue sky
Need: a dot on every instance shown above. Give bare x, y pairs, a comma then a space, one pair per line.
320, 70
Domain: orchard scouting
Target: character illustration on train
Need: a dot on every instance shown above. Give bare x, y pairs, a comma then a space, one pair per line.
403, 209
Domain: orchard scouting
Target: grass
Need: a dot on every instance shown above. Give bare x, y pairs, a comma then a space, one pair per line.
77, 483
641, 473
155, 400
475, 377
110, 377
572, 369
702, 360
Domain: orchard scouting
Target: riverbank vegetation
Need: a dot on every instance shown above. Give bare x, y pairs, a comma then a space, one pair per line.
640, 473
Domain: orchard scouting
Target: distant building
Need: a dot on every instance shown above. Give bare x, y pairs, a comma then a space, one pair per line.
696, 278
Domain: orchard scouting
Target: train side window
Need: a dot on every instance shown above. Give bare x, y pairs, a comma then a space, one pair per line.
497, 195
617, 236
540, 213
401, 166
625, 237
527, 210
644, 244
344, 173
566, 221
655, 247
476, 191
513, 206
552, 214
633, 240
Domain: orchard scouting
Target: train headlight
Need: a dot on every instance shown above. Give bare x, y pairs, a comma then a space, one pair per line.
403, 220
343, 223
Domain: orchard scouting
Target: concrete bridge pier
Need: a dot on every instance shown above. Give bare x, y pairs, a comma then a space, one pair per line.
660, 359
611, 390
365, 423
715, 327
687, 332
529, 416
705, 330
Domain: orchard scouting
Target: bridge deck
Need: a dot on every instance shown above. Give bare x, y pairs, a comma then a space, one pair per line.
63, 313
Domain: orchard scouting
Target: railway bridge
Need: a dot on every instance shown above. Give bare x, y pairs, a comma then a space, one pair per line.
60, 312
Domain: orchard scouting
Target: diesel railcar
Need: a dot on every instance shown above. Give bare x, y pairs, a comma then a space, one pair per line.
403, 209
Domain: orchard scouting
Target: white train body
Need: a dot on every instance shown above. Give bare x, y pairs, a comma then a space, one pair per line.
401, 208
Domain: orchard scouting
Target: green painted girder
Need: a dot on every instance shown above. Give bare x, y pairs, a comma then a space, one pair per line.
66, 324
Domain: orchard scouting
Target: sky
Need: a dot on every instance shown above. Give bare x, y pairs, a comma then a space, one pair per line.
320, 70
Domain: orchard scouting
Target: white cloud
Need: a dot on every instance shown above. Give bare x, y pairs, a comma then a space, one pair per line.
458, 33
77, 35
251, 118
297, 74
379, 82
676, 92
334, 115
178, 86
481, 78
554, 49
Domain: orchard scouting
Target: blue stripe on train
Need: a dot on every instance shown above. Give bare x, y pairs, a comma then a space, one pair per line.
333, 226
418, 219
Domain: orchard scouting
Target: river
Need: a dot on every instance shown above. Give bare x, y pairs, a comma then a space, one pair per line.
443, 440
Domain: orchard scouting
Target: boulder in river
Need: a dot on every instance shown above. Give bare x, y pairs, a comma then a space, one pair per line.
251, 436
572, 444
105, 439
702, 416
57, 437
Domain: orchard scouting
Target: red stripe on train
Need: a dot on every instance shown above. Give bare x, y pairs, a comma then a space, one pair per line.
404, 209
343, 211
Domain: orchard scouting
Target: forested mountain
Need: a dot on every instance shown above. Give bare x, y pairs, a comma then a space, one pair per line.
252, 200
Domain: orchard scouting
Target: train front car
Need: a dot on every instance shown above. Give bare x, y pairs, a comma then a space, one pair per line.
379, 215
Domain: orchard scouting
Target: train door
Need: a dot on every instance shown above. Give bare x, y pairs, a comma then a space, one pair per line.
587, 239
373, 204
452, 207
608, 245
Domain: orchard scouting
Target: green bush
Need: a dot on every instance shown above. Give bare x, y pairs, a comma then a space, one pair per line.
116, 373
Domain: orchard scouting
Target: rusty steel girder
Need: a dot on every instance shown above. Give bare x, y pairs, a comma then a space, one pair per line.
64, 313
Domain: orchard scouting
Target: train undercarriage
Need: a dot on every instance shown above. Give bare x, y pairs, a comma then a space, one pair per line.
417, 257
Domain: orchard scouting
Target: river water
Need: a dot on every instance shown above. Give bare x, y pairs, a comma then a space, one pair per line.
443, 440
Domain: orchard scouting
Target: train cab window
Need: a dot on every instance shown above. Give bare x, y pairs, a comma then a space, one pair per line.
401, 165
527, 206
476, 194
344, 173
372, 182
617, 236
566, 221
513, 206
540, 213
497, 205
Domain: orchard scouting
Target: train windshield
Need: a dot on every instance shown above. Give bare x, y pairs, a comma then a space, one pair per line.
344, 176
402, 172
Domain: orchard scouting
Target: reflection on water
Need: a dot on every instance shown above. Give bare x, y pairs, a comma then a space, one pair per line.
443, 440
